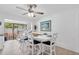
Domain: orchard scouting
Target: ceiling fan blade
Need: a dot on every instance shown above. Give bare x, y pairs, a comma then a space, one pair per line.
21, 8
24, 13
39, 13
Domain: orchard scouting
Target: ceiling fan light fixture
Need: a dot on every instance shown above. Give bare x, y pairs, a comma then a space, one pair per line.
30, 11
30, 14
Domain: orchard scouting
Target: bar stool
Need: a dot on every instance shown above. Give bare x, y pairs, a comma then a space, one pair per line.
49, 46
26, 43
36, 47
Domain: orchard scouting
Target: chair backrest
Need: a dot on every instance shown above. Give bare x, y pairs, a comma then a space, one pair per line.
54, 37
24, 35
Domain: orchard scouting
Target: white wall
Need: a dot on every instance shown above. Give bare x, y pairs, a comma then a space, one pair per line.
66, 24
40, 20
77, 30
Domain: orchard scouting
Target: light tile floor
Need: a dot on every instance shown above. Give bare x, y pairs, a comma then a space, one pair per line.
11, 47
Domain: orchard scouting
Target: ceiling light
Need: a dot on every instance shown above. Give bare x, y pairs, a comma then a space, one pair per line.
30, 14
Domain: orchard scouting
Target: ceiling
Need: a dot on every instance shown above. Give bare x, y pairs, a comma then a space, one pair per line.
48, 9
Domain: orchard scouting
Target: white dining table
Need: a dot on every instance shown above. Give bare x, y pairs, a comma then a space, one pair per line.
42, 38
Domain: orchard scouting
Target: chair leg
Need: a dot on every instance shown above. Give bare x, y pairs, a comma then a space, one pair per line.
50, 50
54, 50
32, 48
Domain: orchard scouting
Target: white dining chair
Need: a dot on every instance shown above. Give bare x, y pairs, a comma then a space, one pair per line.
36, 47
49, 46
25, 41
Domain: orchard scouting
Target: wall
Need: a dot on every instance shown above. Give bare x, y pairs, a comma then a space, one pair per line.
66, 24
43, 19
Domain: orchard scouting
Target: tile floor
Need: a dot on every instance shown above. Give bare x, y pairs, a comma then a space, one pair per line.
12, 48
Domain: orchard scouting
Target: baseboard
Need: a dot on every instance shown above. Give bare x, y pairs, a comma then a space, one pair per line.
63, 46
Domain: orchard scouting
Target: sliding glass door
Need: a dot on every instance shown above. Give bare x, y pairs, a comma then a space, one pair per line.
12, 30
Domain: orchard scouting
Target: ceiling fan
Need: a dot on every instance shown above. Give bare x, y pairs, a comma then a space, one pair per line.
30, 11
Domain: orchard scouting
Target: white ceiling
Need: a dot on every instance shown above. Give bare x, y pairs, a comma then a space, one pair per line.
48, 9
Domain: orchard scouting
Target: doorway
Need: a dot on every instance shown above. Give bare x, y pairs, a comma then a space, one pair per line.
12, 30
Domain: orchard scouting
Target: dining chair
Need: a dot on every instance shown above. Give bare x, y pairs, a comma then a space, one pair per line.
25, 41
36, 47
33, 46
49, 46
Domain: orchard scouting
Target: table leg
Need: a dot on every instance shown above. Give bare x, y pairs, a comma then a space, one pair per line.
41, 49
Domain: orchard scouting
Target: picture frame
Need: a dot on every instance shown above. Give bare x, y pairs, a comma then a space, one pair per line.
45, 25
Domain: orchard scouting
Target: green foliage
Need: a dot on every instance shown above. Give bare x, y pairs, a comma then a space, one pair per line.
11, 25
8, 25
